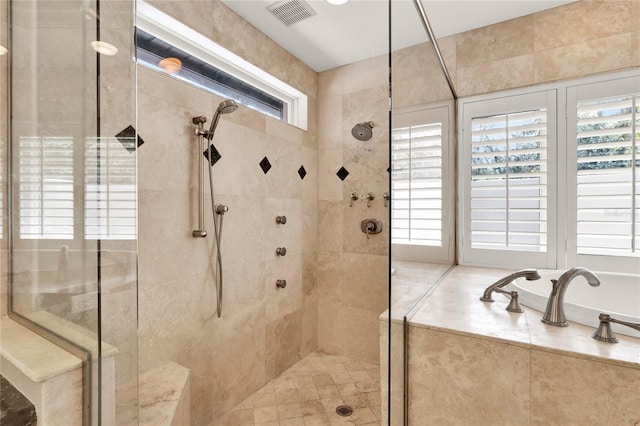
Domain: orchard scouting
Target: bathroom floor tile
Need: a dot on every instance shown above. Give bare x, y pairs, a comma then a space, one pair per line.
308, 393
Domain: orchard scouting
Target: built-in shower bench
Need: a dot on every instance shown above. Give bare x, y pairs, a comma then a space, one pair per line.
50, 377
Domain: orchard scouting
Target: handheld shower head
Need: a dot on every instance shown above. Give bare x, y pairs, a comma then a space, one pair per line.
227, 106
363, 131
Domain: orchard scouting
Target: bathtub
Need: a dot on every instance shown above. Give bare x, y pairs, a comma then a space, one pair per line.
617, 295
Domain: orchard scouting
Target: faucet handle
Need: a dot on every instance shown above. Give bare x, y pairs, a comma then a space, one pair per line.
604, 332
370, 197
514, 304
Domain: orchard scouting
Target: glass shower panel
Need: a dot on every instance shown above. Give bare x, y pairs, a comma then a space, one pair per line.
73, 221
422, 183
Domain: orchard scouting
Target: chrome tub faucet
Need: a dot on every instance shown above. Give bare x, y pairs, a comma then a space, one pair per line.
529, 274
554, 313
514, 305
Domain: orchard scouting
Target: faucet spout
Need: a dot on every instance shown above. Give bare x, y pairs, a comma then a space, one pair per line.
529, 274
554, 313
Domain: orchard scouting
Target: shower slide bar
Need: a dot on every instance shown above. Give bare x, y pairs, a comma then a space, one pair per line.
217, 210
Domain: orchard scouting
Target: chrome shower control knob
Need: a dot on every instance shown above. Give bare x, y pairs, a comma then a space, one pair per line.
353, 197
281, 251
370, 197
281, 283
281, 220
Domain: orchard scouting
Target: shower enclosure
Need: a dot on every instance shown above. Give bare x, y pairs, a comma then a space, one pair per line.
100, 200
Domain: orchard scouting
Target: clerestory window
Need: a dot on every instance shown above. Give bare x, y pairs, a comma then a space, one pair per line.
166, 44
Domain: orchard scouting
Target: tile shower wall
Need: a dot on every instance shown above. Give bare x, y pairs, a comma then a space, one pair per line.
575, 40
352, 270
263, 330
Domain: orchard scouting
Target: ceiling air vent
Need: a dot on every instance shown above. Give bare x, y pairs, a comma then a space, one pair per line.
291, 12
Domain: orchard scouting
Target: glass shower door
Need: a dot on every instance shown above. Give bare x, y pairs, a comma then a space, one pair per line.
73, 190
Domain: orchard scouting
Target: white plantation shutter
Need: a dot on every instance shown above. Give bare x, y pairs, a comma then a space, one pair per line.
416, 183
422, 173
509, 181
608, 176
46, 187
110, 190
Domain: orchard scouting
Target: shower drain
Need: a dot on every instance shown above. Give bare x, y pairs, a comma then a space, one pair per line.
344, 410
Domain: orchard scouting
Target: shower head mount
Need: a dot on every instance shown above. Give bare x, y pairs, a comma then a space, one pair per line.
363, 131
227, 106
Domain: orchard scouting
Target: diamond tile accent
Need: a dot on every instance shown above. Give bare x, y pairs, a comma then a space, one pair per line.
126, 138
343, 173
388, 169
302, 172
265, 165
215, 155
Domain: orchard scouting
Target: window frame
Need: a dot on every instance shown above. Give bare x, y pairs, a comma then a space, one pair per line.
501, 104
443, 111
605, 88
561, 214
155, 22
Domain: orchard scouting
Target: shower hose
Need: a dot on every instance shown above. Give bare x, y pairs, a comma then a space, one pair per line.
217, 230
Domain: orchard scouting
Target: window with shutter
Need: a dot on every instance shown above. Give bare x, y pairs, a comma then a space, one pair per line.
416, 178
508, 147
110, 190
604, 200
608, 177
421, 213
46, 188
509, 181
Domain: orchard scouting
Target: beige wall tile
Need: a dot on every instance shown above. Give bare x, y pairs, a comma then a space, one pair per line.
492, 43
197, 14
329, 327
502, 74
330, 227
240, 342
359, 334
309, 340
283, 301
447, 384
572, 391
448, 49
422, 90
329, 115
580, 22
635, 48
412, 62
365, 281
283, 338
365, 75
330, 186
581, 59
330, 277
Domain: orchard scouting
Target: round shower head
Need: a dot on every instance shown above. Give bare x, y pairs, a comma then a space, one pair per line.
227, 106
362, 131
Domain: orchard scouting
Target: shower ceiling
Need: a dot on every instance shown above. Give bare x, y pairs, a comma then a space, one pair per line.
334, 38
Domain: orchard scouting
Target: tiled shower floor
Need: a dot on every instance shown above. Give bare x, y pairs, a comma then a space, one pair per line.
308, 393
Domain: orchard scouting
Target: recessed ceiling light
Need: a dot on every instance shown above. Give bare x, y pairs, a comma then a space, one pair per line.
104, 48
337, 2
170, 65
3, 50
